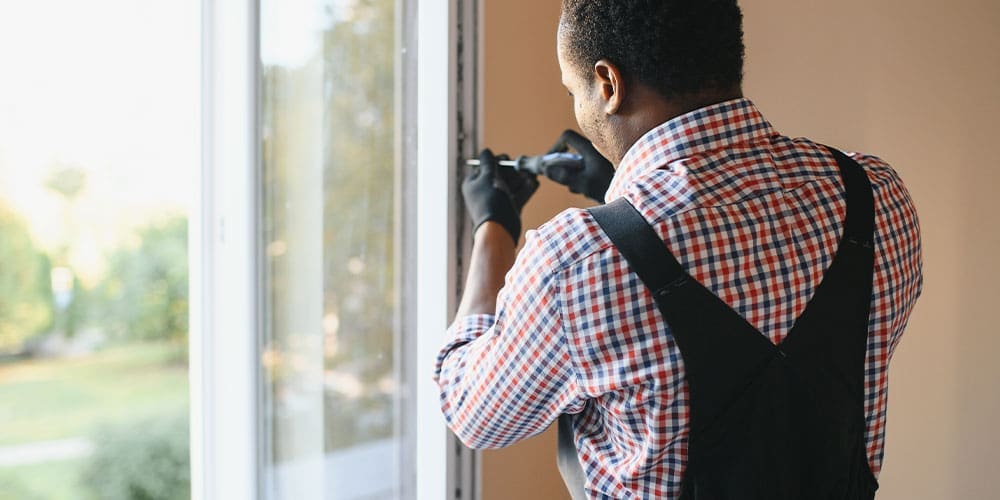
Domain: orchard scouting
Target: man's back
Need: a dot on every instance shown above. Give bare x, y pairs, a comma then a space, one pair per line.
752, 215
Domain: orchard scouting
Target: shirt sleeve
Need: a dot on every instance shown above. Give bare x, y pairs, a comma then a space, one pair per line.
508, 376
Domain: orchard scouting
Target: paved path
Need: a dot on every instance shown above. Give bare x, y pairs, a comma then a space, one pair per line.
44, 451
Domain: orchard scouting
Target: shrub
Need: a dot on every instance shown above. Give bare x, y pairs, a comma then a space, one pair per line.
145, 460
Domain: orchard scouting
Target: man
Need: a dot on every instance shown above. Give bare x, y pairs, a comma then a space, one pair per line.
756, 367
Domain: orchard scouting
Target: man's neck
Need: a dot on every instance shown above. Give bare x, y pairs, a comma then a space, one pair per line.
649, 110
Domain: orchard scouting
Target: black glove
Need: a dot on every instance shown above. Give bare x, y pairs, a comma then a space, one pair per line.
495, 193
594, 179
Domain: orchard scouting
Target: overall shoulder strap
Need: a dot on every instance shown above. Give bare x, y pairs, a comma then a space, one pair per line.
859, 225
640, 245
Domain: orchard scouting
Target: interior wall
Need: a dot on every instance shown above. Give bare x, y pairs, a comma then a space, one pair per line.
916, 82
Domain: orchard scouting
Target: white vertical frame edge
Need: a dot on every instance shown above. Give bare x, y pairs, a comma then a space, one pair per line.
225, 440
436, 154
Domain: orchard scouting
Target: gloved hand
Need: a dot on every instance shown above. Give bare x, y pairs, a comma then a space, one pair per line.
594, 179
495, 193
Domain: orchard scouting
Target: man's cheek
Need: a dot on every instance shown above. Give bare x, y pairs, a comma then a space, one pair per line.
579, 114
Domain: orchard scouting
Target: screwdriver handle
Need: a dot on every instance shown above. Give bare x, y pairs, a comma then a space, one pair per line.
538, 165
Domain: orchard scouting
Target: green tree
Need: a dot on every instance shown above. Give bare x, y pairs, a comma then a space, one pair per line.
26, 307
144, 295
67, 182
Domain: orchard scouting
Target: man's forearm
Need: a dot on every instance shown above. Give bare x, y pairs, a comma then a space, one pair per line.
493, 252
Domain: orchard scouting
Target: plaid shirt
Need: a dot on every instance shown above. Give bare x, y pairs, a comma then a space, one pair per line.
754, 216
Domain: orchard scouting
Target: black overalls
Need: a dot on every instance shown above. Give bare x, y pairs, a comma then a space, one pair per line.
768, 422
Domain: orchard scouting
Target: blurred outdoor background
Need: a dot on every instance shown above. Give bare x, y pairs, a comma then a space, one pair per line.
99, 138
99, 155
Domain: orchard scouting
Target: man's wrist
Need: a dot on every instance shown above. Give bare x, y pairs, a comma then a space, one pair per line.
493, 253
494, 234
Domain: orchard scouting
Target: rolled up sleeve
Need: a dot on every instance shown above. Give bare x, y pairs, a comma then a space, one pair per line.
508, 376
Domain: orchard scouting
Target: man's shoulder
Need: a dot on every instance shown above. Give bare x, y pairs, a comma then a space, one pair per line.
880, 173
886, 183
802, 153
569, 238
803, 149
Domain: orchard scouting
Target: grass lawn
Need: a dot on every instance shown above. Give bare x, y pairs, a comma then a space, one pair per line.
47, 481
51, 399
65, 398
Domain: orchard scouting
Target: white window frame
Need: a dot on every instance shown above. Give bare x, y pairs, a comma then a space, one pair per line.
225, 319
223, 273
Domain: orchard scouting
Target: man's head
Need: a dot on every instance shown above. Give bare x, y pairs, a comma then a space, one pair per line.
632, 64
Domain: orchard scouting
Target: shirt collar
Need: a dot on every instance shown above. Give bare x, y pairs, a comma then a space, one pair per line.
700, 131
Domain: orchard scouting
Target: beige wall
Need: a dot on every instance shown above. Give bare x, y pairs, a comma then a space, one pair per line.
916, 82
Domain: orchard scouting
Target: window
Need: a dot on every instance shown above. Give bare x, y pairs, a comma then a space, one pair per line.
333, 326
317, 305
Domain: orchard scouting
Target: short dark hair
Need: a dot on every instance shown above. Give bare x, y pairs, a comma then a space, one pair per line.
680, 48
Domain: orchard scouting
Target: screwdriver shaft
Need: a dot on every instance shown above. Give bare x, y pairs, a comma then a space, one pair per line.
502, 163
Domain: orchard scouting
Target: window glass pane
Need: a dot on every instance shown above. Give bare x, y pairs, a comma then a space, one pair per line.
99, 125
333, 388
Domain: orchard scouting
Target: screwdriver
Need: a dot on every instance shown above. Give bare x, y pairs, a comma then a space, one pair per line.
538, 164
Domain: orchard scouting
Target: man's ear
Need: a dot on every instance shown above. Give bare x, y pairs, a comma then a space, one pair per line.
610, 85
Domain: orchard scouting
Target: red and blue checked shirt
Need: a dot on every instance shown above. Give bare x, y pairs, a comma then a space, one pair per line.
754, 216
